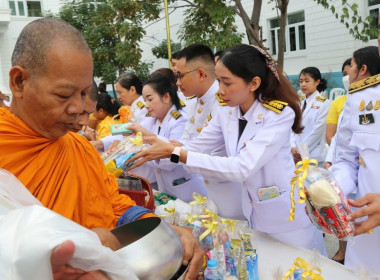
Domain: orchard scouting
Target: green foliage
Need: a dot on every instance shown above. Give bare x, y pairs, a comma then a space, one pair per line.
113, 30
210, 22
348, 15
161, 51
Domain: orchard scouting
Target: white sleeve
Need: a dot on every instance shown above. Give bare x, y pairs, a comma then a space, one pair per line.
331, 150
345, 167
266, 143
108, 140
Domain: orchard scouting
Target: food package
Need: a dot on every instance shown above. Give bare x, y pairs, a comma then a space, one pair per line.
326, 203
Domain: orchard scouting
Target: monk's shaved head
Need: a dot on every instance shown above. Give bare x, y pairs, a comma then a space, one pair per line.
37, 37
93, 93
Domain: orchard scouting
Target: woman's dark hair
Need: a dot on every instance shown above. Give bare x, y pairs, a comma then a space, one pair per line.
316, 75
161, 84
247, 62
168, 73
368, 56
346, 63
126, 80
105, 102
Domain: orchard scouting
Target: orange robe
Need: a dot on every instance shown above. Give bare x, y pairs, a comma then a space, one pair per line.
67, 174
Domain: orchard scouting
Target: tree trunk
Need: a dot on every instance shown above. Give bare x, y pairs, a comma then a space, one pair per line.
283, 7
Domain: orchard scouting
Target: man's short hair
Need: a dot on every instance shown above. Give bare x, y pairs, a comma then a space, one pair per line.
93, 93
176, 54
35, 41
197, 51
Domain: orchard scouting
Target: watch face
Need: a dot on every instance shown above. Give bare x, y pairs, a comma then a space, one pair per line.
174, 158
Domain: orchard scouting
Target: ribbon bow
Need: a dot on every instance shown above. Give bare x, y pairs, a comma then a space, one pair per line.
301, 174
229, 224
171, 211
190, 218
308, 272
211, 226
198, 199
125, 113
138, 141
209, 214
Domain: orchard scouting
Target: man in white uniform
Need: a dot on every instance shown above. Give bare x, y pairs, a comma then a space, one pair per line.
195, 68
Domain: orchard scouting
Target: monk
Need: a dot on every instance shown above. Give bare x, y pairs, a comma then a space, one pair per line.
50, 77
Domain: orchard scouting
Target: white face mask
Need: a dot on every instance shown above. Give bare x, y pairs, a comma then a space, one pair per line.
346, 82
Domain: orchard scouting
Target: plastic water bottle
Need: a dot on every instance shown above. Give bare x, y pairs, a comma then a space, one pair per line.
211, 272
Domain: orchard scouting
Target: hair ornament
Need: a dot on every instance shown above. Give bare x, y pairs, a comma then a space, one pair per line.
269, 61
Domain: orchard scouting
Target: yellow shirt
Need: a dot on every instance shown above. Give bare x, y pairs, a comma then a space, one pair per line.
103, 128
335, 109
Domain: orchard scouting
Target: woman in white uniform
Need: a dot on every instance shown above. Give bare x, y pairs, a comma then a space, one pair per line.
315, 108
167, 121
358, 149
258, 154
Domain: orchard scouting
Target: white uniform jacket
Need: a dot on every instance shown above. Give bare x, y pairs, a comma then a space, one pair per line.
172, 178
314, 121
186, 102
261, 158
357, 166
138, 109
200, 114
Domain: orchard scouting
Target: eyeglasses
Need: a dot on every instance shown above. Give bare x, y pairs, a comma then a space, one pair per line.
179, 75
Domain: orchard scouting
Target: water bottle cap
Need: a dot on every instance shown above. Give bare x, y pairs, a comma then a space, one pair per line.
212, 263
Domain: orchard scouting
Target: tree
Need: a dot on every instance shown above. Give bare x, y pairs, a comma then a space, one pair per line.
161, 51
113, 30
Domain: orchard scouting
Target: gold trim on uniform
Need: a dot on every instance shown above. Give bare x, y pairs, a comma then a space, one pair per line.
183, 104
320, 98
209, 117
377, 105
359, 85
147, 114
140, 105
199, 129
260, 116
175, 114
221, 101
199, 110
362, 105
301, 98
201, 102
369, 107
275, 105
361, 161
191, 97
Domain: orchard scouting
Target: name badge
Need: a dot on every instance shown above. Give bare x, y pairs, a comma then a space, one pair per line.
366, 119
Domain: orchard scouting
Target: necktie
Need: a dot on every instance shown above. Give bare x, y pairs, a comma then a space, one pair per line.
304, 106
242, 124
159, 129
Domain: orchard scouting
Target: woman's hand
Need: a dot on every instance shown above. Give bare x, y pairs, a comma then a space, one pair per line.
138, 128
372, 201
327, 165
192, 252
158, 150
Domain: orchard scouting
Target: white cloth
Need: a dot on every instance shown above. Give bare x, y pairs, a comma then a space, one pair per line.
167, 172
261, 158
314, 122
200, 115
354, 140
331, 152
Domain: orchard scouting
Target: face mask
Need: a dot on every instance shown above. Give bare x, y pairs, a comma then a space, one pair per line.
346, 82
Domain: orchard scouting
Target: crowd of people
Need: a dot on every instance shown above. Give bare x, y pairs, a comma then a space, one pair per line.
228, 126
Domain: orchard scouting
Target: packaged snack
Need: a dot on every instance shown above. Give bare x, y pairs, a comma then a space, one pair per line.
302, 270
121, 128
326, 203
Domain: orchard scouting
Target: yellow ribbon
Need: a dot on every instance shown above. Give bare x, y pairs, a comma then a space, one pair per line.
209, 214
308, 272
138, 140
190, 218
301, 174
211, 226
198, 199
229, 224
171, 211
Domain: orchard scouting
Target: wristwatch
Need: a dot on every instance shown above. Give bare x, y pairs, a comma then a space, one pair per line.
175, 155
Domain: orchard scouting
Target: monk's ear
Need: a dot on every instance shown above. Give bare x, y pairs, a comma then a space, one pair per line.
17, 80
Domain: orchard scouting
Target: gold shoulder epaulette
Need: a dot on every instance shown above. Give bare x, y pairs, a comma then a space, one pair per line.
175, 114
191, 97
301, 98
320, 98
140, 105
209, 117
359, 85
275, 105
221, 102
147, 115
183, 104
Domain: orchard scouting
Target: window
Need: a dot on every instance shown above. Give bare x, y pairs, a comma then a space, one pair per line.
295, 38
374, 9
26, 8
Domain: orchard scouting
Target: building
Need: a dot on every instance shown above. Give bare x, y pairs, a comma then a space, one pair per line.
313, 36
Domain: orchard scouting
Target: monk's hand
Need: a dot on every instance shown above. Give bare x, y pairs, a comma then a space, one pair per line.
371, 203
59, 259
107, 238
112, 147
192, 252
158, 150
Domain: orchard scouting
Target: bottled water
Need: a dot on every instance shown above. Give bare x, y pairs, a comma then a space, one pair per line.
211, 272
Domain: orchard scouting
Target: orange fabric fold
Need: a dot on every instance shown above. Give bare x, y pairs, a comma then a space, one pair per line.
67, 174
